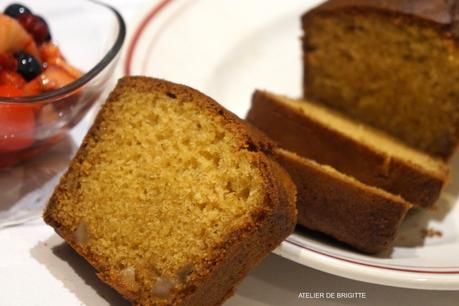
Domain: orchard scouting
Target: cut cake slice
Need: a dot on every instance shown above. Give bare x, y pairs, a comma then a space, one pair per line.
330, 202
171, 197
330, 138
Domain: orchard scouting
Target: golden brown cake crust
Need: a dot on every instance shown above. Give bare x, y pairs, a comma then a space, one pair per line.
243, 249
311, 139
443, 13
359, 215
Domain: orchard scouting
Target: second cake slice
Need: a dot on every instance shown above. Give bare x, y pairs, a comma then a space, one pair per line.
336, 204
330, 138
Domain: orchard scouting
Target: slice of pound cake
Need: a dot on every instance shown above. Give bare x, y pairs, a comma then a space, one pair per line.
364, 217
171, 197
330, 138
389, 63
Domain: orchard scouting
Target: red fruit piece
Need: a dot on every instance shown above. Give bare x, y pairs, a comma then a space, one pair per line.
55, 77
33, 87
36, 26
8, 77
8, 61
9, 91
17, 125
50, 52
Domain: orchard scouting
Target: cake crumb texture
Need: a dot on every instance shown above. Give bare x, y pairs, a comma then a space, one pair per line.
391, 64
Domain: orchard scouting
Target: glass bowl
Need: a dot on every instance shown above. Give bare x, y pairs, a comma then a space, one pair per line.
90, 35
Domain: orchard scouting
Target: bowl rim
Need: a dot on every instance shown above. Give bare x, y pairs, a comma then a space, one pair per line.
88, 76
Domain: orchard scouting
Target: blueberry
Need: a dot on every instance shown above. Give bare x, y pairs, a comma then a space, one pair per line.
27, 66
15, 10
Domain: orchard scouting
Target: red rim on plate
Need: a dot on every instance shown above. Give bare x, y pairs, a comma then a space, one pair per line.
139, 31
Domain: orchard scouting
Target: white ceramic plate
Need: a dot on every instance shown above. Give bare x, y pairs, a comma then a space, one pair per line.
227, 48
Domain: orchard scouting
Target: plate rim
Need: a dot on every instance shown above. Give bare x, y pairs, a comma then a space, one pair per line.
373, 275
308, 256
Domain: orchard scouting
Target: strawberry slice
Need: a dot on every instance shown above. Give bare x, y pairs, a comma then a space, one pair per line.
49, 52
52, 78
8, 77
10, 91
17, 125
7, 61
55, 77
33, 87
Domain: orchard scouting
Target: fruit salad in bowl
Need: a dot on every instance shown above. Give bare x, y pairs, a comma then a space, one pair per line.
42, 93
30, 63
